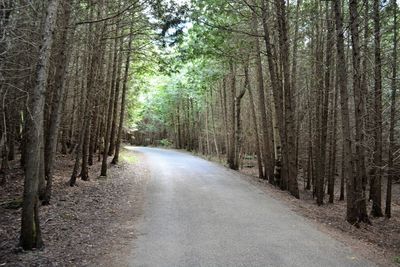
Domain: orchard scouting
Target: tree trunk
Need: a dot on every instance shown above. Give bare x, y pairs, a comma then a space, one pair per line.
364, 93
377, 174
213, 126
352, 214
62, 59
232, 143
110, 108
206, 125
116, 98
360, 202
267, 173
388, 210
94, 131
258, 146
30, 227
294, 74
238, 100
5, 168
277, 92
288, 138
319, 88
332, 154
123, 99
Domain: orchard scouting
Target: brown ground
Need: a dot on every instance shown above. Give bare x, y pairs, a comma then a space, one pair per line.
90, 224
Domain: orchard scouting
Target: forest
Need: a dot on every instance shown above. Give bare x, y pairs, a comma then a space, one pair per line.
302, 94
303, 91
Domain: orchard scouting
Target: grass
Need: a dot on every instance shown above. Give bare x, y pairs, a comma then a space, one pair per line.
128, 157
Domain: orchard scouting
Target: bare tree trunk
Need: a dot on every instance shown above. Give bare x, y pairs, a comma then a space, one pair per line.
267, 173
57, 105
11, 133
116, 98
352, 215
123, 99
360, 202
364, 92
85, 146
333, 149
30, 228
213, 126
94, 132
225, 111
86, 110
288, 138
377, 174
258, 146
238, 100
319, 89
222, 93
110, 108
178, 122
206, 125
388, 210
232, 143
277, 92
5, 168
294, 74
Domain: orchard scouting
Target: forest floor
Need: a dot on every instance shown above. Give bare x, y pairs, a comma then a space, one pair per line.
93, 223
89, 224
379, 242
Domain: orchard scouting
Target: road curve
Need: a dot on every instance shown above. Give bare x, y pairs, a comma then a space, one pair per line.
198, 213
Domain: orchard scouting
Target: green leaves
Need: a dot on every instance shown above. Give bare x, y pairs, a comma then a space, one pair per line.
193, 49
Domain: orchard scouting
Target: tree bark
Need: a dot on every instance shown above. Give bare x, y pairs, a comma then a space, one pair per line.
377, 173
110, 109
116, 98
267, 173
360, 202
238, 100
388, 210
288, 138
352, 213
62, 59
232, 143
255, 125
30, 228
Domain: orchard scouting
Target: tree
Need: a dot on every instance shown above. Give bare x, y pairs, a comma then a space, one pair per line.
352, 215
30, 229
62, 57
377, 174
123, 99
356, 185
388, 211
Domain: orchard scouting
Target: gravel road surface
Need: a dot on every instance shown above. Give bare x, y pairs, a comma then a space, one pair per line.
197, 213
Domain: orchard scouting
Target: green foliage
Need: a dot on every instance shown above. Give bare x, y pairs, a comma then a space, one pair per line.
165, 143
186, 68
128, 157
170, 19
